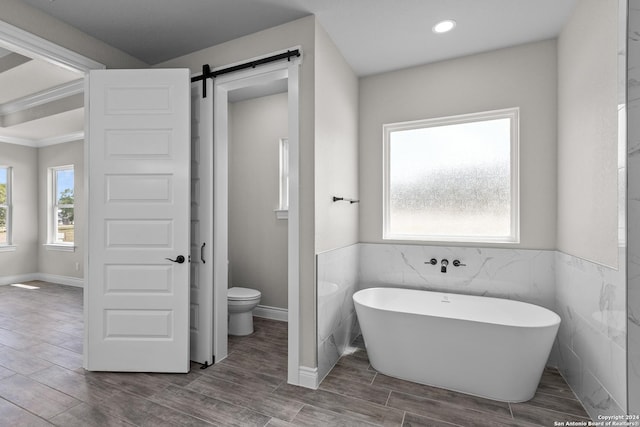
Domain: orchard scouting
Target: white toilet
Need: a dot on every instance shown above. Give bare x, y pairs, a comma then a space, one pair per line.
241, 303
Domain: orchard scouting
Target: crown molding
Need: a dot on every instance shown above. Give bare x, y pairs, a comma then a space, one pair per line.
43, 97
32, 46
38, 143
18, 141
70, 137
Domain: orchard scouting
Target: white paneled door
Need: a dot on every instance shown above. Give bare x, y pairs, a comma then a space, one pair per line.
139, 221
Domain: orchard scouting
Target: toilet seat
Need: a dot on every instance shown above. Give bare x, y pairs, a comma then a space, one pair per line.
242, 294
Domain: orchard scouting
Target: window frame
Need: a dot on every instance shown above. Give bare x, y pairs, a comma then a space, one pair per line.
8, 245
513, 114
52, 223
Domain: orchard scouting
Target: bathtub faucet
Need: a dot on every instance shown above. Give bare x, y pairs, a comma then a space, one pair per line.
444, 264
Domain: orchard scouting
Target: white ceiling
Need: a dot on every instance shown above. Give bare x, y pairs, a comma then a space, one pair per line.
374, 36
46, 129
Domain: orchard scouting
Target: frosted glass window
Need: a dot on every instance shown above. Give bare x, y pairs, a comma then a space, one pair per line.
62, 206
5, 206
284, 174
453, 178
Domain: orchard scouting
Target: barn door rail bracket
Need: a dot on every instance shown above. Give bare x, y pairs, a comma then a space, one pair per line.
208, 74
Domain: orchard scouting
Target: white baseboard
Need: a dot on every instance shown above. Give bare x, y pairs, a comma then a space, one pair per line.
63, 280
308, 377
274, 313
18, 278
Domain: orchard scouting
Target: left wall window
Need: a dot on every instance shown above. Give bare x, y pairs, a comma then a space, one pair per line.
5, 206
61, 207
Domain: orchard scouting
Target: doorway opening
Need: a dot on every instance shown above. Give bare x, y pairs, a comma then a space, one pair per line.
234, 84
45, 112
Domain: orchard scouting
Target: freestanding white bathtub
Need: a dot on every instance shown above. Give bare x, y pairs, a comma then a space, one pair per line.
488, 347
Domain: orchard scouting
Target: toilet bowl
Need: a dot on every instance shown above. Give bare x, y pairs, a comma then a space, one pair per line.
241, 302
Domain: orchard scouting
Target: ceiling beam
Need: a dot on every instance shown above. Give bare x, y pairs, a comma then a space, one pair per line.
43, 97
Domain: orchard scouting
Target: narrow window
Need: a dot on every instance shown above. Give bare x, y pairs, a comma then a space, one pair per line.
452, 178
283, 205
284, 174
61, 214
5, 206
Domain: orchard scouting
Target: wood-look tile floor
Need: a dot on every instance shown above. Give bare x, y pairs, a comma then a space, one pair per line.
42, 383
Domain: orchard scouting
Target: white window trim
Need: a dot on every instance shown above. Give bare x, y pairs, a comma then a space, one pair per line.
283, 204
510, 113
52, 216
282, 213
9, 247
62, 247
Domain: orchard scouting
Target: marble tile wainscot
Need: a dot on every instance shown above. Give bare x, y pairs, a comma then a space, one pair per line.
337, 280
523, 275
592, 337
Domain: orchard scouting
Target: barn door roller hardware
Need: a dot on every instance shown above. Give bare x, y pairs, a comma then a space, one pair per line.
208, 74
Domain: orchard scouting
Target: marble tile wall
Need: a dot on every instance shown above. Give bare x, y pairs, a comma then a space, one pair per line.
591, 342
337, 273
633, 205
523, 275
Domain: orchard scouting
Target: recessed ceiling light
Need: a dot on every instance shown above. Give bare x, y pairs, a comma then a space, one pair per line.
444, 26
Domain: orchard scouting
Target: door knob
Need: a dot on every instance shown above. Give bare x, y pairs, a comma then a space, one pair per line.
179, 259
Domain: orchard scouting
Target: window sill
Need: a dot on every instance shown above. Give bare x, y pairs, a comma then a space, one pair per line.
282, 213
8, 248
58, 247
399, 238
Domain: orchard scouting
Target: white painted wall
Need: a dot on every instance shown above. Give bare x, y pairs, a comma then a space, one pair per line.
31, 258
522, 76
24, 161
588, 133
51, 262
336, 147
257, 239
